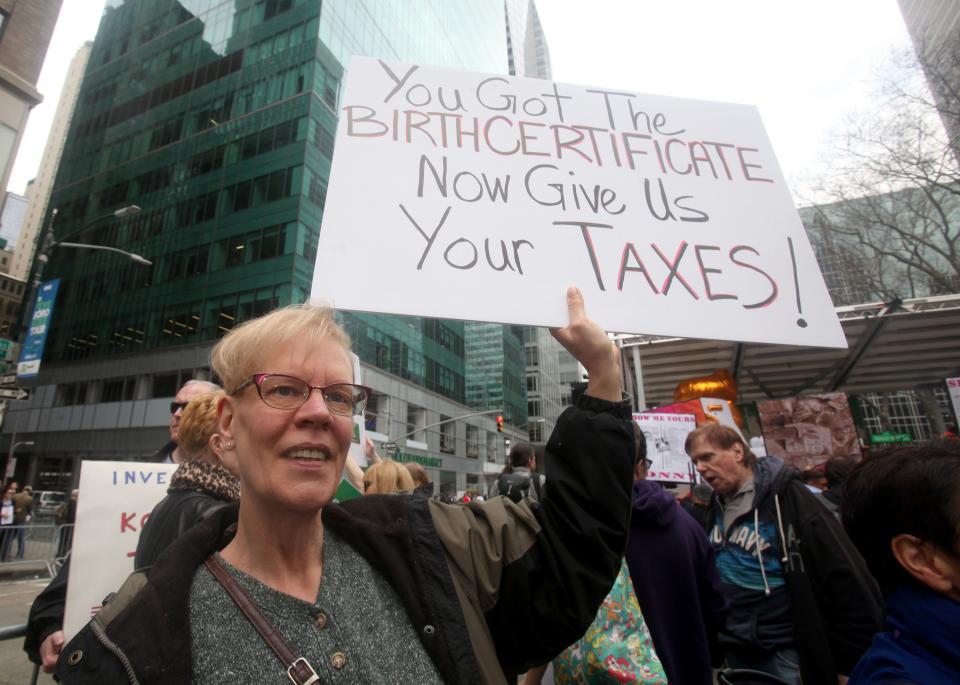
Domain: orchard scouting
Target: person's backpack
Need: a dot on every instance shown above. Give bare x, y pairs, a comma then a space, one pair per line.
516, 486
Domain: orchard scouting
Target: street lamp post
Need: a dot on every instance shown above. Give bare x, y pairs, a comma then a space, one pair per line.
11, 464
440, 423
393, 441
137, 259
47, 244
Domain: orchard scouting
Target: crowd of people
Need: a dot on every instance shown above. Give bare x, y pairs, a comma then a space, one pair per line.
574, 568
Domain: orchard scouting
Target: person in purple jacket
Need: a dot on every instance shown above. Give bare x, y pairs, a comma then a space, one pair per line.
676, 580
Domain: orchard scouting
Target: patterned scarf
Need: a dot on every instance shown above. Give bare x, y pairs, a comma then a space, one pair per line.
202, 476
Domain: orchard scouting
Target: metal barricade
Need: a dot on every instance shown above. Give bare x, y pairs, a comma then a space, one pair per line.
35, 544
64, 539
19, 631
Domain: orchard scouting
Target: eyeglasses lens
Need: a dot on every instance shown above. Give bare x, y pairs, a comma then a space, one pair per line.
174, 406
286, 392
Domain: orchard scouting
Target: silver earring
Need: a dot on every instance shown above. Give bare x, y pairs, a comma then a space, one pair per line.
228, 445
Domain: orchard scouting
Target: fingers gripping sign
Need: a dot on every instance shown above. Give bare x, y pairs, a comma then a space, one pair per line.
586, 341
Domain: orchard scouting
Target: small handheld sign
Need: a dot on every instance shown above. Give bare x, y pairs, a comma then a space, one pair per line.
115, 500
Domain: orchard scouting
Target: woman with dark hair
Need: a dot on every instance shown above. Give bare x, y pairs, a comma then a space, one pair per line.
521, 480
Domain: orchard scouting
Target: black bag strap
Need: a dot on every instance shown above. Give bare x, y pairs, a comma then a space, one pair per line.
299, 669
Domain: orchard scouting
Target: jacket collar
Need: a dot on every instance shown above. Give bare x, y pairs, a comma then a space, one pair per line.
161, 648
377, 526
930, 619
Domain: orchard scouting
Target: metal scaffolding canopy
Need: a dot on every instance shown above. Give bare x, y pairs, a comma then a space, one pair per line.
892, 346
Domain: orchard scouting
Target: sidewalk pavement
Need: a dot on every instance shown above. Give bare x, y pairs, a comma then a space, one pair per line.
18, 586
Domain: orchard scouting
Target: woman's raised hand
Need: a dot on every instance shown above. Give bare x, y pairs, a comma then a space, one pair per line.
586, 341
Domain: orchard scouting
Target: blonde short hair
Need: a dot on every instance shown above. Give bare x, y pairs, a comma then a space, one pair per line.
240, 352
197, 423
387, 477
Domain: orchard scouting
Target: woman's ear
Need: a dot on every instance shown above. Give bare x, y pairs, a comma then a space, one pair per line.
227, 457
923, 561
225, 411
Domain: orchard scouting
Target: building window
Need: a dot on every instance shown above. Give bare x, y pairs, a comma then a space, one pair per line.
70, 394
447, 439
118, 390
376, 404
414, 415
473, 442
535, 432
165, 385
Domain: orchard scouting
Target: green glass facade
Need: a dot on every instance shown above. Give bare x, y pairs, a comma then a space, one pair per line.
219, 124
217, 118
497, 370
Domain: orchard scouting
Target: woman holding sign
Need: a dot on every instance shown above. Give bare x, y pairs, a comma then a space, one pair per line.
397, 588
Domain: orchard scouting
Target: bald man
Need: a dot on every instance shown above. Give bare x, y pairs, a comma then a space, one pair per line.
170, 453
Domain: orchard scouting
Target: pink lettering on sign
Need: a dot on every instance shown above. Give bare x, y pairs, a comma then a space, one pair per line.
128, 524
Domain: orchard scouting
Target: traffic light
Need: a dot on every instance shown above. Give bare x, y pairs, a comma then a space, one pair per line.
499, 424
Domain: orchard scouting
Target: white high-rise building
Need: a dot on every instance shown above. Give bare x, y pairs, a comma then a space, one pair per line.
526, 43
25, 30
38, 194
934, 27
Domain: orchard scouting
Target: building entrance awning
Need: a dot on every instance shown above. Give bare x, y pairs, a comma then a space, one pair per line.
892, 346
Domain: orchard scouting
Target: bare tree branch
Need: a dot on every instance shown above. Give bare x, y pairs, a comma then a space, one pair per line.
892, 209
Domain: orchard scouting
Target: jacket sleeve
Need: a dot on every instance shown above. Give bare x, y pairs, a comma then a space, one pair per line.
848, 597
539, 572
46, 613
712, 599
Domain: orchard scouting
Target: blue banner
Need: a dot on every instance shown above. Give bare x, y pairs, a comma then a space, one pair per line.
32, 352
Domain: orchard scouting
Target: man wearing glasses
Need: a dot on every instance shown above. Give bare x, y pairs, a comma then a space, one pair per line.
170, 453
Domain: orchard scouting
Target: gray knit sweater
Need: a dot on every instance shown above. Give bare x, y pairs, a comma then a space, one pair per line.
356, 632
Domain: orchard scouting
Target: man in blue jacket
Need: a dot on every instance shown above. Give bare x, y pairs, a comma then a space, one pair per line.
902, 510
803, 606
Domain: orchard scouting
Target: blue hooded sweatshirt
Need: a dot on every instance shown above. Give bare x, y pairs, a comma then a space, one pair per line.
749, 561
676, 581
919, 643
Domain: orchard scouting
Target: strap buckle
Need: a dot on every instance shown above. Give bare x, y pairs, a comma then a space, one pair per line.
301, 672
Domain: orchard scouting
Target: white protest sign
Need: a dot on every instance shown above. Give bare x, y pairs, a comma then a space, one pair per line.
357, 445
666, 436
953, 385
470, 196
115, 500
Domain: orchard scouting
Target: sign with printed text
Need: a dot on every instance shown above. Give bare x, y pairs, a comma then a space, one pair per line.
32, 351
472, 196
357, 450
115, 500
953, 387
666, 436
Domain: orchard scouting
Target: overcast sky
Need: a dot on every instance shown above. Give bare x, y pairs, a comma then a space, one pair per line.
806, 65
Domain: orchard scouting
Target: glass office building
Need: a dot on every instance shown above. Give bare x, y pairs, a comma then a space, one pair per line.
217, 119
